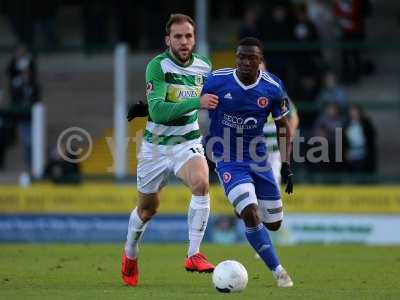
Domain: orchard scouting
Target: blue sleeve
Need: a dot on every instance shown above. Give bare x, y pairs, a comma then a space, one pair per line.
280, 101
207, 87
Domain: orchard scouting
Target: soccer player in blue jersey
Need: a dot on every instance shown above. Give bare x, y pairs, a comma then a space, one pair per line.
247, 95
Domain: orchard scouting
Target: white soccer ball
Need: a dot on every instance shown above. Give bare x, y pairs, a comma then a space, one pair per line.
230, 276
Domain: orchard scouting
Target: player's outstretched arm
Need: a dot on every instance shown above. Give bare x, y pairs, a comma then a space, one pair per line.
284, 133
161, 111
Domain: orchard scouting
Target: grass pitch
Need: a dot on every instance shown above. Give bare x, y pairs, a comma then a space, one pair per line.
92, 272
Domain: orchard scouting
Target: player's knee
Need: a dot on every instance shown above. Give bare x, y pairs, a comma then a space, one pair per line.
250, 216
273, 226
200, 185
146, 213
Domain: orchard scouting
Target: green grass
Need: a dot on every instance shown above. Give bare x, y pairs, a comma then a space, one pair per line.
92, 272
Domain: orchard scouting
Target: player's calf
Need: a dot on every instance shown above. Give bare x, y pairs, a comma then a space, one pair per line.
250, 216
146, 214
148, 205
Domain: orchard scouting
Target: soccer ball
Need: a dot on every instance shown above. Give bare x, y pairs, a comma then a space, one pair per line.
229, 276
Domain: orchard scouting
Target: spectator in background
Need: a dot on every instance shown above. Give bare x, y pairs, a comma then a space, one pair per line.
351, 16
61, 171
249, 27
224, 230
21, 62
305, 34
1, 94
321, 15
360, 149
44, 15
24, 93
276, 26
20, 19
332, 93
326, 126
3, 130
95, 21
7, 135
155, 36
307, 64
129, 19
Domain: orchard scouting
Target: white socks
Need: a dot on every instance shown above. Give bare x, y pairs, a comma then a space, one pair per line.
136, 229
277, 270
199, 210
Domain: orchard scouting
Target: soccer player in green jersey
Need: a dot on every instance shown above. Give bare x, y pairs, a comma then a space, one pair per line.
172, 143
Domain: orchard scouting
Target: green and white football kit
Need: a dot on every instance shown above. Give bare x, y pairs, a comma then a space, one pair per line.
172, 135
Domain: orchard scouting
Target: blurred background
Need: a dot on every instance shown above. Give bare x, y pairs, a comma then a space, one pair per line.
78, 64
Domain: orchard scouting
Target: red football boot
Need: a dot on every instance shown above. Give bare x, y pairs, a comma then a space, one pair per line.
198, 263
130, 270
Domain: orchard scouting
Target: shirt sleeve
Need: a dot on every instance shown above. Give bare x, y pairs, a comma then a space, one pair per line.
280, 103
207, 85
161, 111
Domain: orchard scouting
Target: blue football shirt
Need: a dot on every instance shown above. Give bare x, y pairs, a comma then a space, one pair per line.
236, 125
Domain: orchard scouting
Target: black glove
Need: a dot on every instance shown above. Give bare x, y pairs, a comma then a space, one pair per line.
287, 177
137, 110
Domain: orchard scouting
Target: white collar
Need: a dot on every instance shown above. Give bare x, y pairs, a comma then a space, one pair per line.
246, 87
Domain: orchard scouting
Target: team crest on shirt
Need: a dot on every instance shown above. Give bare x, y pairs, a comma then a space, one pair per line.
198, 79
149, 87
262, 102
226, 177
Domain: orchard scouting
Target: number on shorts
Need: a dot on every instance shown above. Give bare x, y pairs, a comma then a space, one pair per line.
197, 150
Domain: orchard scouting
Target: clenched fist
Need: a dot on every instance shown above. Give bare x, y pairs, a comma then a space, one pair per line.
208, 101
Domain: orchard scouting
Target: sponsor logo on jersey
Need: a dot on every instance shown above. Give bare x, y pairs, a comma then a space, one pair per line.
228, 96
198, 80
262, 102
226, 177
182, 94
149, 87
177, 93
239, 122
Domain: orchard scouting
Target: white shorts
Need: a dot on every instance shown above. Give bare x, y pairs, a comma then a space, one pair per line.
242, 195
157, 162
270, 211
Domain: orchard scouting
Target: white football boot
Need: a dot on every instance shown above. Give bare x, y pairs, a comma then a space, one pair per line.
283, 279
